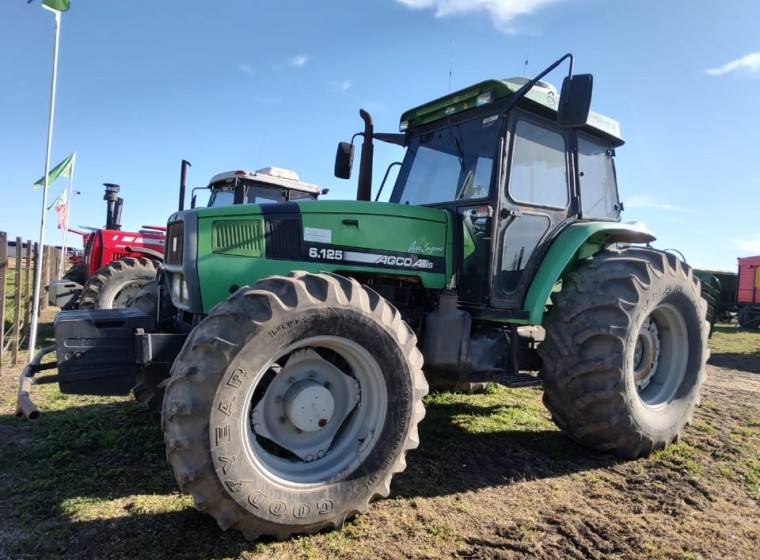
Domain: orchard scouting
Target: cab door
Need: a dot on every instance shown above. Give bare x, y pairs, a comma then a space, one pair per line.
535, 200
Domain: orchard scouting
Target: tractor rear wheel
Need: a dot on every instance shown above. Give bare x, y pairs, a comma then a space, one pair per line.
625, 351
75, 273
115, 284
293, 404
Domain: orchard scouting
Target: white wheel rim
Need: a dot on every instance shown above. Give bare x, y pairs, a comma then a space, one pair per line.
661, 356
289, 455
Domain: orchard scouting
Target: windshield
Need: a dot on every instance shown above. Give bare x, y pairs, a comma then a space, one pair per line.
449, 164
224, 194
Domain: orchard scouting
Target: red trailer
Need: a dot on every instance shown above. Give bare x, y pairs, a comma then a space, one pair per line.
748, 292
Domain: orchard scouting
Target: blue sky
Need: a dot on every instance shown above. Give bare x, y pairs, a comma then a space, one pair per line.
244, 84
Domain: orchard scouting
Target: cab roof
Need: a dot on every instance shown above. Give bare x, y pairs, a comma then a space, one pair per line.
275, 176
543, 95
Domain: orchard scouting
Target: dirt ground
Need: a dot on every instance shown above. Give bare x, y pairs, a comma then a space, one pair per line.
666, 508
689, 502
519, 494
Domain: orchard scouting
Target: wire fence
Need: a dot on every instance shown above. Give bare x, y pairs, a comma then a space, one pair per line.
17, 266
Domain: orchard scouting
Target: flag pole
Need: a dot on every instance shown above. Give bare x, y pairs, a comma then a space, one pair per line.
66, 221
38, 267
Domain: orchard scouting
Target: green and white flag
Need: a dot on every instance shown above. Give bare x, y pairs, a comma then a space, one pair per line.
63, 169
60, 5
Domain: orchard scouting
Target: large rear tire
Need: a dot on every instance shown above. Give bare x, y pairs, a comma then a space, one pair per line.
293, 404
75, 273
115, 284
625, 351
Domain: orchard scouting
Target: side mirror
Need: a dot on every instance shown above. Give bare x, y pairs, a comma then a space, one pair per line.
193, 200
325, 191
344, 159
575, 100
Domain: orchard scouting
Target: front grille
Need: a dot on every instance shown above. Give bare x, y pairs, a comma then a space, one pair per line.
175, 242
242, 238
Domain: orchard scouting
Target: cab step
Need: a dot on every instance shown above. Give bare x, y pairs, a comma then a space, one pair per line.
515, 380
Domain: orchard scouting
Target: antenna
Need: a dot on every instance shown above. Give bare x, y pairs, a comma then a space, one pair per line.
451, 63
261, 147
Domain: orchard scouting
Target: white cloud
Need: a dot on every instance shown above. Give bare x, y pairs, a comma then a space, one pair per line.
749, 62
339, 87
501, 12
245, 68
748, 243
299, 60
645, 202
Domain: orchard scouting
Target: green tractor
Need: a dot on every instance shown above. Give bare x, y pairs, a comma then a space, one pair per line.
292, 359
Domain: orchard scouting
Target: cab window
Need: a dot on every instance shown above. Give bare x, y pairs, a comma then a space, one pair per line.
539, 168
596, 175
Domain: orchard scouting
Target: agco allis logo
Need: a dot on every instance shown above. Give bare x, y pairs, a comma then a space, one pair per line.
404, 262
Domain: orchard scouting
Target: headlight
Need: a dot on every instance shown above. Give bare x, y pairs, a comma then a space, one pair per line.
179, 289
175, 242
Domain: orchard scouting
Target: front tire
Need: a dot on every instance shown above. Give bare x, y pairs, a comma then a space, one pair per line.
293, 404
115, 284
625, 351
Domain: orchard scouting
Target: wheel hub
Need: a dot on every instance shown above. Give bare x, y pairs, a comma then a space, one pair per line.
646, 354
308, 405
304, 405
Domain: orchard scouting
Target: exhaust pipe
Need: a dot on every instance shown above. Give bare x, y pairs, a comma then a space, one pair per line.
113, 213
24, 405
364, 189
182, 183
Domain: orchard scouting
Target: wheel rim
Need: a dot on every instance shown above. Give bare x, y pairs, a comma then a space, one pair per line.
315, 411
125, 294
660, 356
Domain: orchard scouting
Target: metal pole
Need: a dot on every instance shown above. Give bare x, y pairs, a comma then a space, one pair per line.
38, 268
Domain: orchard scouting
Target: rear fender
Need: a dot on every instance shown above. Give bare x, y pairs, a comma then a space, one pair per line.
577, 241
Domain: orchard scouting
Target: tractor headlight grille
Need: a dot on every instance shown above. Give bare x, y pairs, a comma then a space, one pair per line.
175, 242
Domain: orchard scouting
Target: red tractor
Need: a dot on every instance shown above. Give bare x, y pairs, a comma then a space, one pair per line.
117, 263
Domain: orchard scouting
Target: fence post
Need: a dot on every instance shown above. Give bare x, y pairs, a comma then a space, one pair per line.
3, 270
17, 302
28, 287
45, 256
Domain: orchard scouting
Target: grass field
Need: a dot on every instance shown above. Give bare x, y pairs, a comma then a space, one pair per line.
493, 478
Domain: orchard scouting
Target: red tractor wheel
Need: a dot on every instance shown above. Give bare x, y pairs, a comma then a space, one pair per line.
115, 284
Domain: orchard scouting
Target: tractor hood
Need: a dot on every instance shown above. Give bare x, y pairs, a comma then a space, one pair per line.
238, 245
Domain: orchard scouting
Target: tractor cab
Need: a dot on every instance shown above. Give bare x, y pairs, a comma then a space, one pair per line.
269, 185
513, 176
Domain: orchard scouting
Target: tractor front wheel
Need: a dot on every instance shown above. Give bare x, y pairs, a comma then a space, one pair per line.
115, 284
293, 404
625, 351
